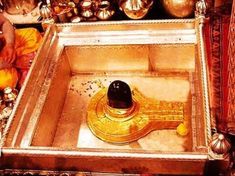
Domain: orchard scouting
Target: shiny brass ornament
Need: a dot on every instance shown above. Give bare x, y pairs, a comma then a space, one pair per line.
10, 94
126, 125
87, 13
104, 10
135, 9
86, 8
179, 8
201, 7
45, 12
220, 144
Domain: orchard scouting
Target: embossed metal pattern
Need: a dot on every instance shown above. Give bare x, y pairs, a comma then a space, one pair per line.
145, 117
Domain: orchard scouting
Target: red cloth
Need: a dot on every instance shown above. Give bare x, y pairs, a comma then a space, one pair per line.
216, 35
231, 72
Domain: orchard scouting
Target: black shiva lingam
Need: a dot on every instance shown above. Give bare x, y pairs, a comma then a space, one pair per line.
119, 95
119, 115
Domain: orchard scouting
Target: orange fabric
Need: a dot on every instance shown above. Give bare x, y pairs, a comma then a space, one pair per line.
24, 61
8, 78
27, 41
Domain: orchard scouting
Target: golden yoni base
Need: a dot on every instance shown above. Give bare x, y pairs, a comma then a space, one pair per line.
126, 125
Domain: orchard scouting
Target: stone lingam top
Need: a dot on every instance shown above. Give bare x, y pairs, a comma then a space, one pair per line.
119, 95
120, 115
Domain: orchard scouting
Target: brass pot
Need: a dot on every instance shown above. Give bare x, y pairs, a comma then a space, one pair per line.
15, 7
180, 9
135, 9
104, 10
86, 8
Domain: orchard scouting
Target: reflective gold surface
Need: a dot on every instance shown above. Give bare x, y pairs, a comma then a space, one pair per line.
135, 9
104, 10
179, 8
145, 116
164, 60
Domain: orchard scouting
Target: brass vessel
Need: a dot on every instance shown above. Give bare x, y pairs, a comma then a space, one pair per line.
86, 8
135, 9
104, 10
180, 9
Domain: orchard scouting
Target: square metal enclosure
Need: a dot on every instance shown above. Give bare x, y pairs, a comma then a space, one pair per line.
164, 60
